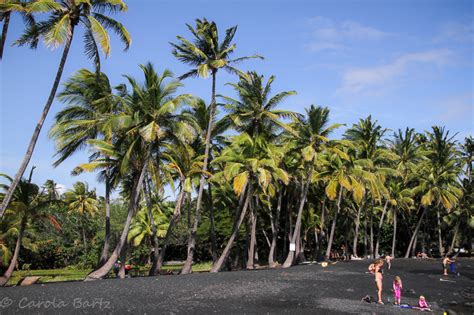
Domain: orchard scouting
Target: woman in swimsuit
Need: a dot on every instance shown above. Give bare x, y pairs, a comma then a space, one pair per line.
378, 279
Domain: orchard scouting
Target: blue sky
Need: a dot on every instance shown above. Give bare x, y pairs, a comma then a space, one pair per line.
408, 63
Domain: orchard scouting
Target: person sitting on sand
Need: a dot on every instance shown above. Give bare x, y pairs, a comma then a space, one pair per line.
397, 290
378, 278
422, 304
446, 261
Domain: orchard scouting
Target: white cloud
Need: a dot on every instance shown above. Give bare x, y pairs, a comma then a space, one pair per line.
456, 32
363, 80
328, 35
457, 108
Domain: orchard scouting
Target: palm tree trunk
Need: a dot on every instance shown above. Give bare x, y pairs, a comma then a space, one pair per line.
84, 237
34, 138
123, 259
105, 249
304, 192
212, 228
189, 210
155, 268
455, 236
137, 186
333, 227
154, 236
253, 227
356, 232
187, 268
321, 232
371, 234
8, 273
275, 225
6, 22
394, 238
440, 237
235, 231
380, 230
412, 240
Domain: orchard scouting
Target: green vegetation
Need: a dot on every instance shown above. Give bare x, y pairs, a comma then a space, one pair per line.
249, 180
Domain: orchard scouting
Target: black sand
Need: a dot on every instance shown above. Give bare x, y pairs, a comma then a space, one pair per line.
336, 289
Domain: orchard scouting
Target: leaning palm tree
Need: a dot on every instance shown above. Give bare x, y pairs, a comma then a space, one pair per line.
251, 166
28, 201
59, 29
90, 104
312, 133
149, 119
207, 56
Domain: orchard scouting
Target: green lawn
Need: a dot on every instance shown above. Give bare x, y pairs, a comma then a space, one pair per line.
68, 274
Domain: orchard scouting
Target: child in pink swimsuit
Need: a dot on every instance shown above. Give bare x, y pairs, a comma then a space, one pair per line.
397, 289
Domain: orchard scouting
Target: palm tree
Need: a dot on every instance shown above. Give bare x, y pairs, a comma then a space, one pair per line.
83, 202
51, 189
59, 29
148, 120
25, 8
437, 179
312, 135
339, 174
198, 115
182, 165
254, 111
27, 204
251, 166
369, 152
400, 199
141, 228
206, 55
90, 104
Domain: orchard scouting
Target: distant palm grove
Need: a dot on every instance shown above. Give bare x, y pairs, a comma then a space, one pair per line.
251, 184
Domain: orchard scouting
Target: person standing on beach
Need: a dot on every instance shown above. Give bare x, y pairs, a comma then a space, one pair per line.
446, 261
378, 279
388, 260
397, 289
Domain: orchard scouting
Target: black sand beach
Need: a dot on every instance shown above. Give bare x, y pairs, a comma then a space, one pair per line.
336, 289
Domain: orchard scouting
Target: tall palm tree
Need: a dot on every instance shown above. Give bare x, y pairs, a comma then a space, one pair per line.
90, 103
207, 56
367, 135
82, 202
400, 200
250, 164
59, 29
149, 119
341, 173
312, 134
181, 165
199, 114
437, 179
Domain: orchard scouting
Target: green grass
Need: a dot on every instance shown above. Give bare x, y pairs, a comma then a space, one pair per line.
50, 275
69, 274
